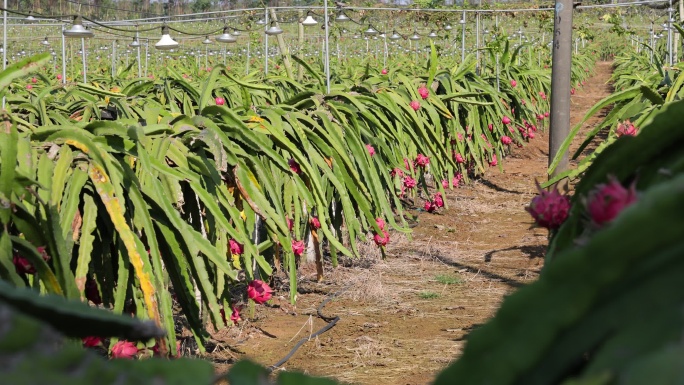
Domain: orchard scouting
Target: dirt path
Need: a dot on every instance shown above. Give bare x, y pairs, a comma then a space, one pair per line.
405, 318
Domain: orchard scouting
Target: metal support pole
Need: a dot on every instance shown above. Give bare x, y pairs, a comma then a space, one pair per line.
265, 42
463, 25
384, 56
83, 58
113, 58
247, 67
560, 82
669, 34
206, 56
498, 78
477, 43
147, 46
327, 46
63, 57
138, 54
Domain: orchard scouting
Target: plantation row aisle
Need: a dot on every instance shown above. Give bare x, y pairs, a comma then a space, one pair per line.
405, 318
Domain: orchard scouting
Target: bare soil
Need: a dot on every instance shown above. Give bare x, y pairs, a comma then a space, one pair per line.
404, 318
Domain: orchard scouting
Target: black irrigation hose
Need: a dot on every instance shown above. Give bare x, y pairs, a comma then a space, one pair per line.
331, 322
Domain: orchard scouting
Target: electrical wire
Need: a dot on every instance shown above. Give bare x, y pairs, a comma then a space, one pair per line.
332, 321
119, 29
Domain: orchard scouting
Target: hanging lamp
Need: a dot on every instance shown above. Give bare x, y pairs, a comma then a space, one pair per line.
166, 42
77, 29
309, 21
274, 30
226, 37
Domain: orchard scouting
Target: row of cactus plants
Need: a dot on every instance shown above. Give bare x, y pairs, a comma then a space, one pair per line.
159, 203
605, 310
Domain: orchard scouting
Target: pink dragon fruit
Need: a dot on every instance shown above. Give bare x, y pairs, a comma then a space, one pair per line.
430, 206
626, 128
236, 248
380, 222
459, 158
608, 200
422, 160
298, 247
415, 105
506, 120
384, 71
513, 83
457, 180
549, 208
494, 161
490, 127
259, 291
423, 92
439, 201
220, 101
315, 223
445, 184
371, 150
506, 140
294, 166
381, 240
409, 182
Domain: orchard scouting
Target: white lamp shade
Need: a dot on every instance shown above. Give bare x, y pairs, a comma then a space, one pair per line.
274, 30
395, 36
309, 21
206, 40
432, 35
448, 27
135, 43
166, 42
370, 31
415, 36
342, 17
226, 37
77, 29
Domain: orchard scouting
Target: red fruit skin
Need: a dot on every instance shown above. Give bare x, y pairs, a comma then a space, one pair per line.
549, 208
124, 349
506, 120
415, 105
258, 291
298, 247
608, 200
315, 223
381, 240
422, 160
236, 247
423, 92
294, 166
429, 206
